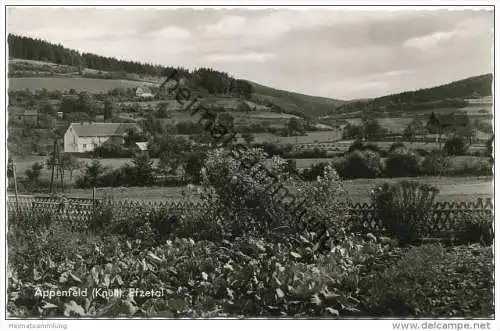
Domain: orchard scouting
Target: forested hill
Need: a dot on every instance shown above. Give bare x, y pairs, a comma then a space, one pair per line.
213, 81
295, 103
40, 50
451, 95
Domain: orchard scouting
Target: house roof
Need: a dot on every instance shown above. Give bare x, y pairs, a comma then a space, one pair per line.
143, 145
143, 90
102, 129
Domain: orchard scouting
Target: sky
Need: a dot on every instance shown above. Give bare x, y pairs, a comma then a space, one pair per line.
336, 52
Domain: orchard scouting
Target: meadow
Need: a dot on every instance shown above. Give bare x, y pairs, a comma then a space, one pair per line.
358, 190
90, 85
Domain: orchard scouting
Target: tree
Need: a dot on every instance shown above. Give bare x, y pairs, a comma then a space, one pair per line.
143, 170
413, 129
71, 163
47, 108
295, 126
34, 172
489, 146
171, 151
91, 175
162, 111
10, 168
456, 145
435, 163
373, 129
352, 132
194, 163
361, 164
132, 136
248, 137
109, 109
402, 162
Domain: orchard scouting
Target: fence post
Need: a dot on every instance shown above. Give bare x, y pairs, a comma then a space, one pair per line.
15, 187
93, 201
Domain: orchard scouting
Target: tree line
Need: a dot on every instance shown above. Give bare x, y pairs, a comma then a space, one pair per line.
215, 82
450, 95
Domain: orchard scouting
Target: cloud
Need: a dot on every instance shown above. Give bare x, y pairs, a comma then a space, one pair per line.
227, 26
429, 41
250, 57
170, 32
334, 52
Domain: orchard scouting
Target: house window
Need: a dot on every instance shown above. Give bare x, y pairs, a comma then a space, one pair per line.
84, 146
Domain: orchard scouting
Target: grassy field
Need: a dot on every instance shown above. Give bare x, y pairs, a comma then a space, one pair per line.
306, 163
393, 124
26, 163
358, 190
90, 85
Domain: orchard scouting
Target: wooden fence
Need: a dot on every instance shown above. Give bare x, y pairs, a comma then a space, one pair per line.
446, 217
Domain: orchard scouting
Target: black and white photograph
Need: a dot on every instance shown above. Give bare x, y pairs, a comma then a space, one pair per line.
199, 162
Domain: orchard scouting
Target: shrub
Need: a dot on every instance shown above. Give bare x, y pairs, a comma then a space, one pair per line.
404, 208
361, 164
432, 281
91, 175
402, 163
423, 152
247, 194
476, 229
395, 146
314, 171
489, 147
471, 166
358, 145
456, 146
110, 150
435, 164
33, 173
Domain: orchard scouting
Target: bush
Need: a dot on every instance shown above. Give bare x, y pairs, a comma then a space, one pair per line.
435, 164
317, 169
361, 164
471, 166
432, 281
456, 146
476, 229
395, 146
247, 194
404, 208
111, 150
358, 145
308, 154
402, 163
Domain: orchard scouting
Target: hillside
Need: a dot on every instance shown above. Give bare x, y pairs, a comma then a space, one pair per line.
451, 95
30, 59
295, 103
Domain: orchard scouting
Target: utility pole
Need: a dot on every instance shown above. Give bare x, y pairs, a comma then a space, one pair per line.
53, 164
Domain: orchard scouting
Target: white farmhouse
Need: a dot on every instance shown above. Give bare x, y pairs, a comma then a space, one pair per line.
144, 92
85, 137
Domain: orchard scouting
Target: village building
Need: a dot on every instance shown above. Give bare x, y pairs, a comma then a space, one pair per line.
85, 137
144, 92
142, 148
30, 117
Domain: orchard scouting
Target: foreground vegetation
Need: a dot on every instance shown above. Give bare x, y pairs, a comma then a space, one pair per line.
248, 254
